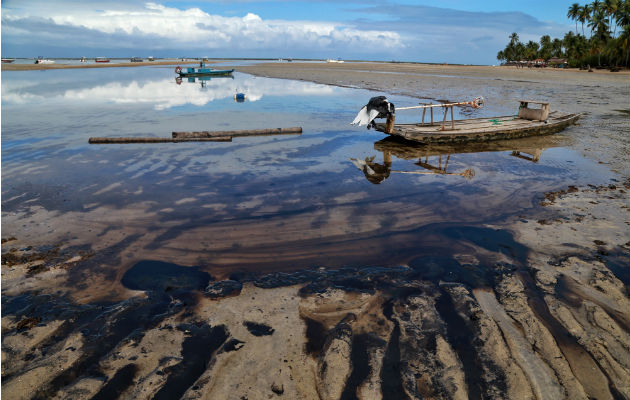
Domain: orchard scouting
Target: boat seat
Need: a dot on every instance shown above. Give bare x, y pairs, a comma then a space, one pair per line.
534, 114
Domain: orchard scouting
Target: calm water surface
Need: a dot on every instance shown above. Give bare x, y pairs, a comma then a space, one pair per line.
336, 195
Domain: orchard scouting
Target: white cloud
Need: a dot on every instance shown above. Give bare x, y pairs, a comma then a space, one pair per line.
194, 28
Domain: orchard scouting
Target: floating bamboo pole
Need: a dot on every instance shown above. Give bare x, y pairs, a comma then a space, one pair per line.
116, 140
250, 132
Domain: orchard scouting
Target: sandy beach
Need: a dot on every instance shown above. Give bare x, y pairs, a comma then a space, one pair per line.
546, 315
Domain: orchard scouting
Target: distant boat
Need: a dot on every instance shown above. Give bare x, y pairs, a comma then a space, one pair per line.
101, 59
83, 60
136, 59
150, 58
7, 60
330, 60
41, 60
201, 71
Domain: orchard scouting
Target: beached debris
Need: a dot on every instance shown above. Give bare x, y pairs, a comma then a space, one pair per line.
199, 136
297, 130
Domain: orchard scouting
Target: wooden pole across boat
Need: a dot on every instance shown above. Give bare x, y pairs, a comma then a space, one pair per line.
250, 132
477, 102
474, 103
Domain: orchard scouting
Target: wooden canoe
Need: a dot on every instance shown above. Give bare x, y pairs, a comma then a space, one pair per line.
481, 129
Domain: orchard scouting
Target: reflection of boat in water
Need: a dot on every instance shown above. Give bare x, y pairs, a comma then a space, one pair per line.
201, 71
434, 158
203, 80
528, 122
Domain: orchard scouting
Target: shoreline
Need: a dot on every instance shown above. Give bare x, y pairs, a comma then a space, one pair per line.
39, 67
297, 65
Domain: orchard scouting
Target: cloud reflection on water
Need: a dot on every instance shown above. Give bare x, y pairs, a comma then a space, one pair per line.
165, 93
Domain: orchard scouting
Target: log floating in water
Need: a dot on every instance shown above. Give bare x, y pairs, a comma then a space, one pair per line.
251, 132
114, 140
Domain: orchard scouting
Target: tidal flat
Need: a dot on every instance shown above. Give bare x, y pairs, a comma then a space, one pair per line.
274, 267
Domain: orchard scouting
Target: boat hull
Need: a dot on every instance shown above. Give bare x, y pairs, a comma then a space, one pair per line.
205, 72
482, 129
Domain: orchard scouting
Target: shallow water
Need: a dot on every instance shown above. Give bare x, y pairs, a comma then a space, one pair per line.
262, 203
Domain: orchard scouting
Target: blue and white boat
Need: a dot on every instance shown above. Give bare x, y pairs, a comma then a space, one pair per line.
202, 70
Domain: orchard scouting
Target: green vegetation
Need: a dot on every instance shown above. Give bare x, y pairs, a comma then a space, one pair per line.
608, 27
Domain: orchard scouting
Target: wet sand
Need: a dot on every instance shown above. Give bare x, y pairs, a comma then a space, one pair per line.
533, 306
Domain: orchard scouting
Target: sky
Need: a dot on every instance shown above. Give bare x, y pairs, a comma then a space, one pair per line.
448, 31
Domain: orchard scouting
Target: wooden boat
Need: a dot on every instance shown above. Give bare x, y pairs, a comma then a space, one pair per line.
201, 71
528, 122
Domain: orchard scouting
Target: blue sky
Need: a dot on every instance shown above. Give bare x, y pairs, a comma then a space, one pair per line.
453, 31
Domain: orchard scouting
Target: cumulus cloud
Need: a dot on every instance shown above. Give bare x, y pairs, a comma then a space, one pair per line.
372, 29
169, 27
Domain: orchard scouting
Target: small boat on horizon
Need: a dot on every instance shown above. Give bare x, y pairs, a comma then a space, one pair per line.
101, 60
83, 60
41, 60
8, 60
136, 59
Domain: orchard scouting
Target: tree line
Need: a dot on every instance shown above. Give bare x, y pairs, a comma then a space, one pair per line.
608, 30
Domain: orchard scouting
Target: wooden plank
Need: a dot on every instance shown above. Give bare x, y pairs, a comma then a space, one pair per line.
249, 132
534, 101
124, 140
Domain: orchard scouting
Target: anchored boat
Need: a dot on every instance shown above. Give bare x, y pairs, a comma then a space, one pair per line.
201, 71
527, 122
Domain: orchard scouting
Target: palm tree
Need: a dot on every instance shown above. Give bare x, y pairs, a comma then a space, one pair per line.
556, 48
531, 50
598, 23
545, 47
596, 8
624, 41
569, 44
573, 13
584, 15
610, 7
622, 15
